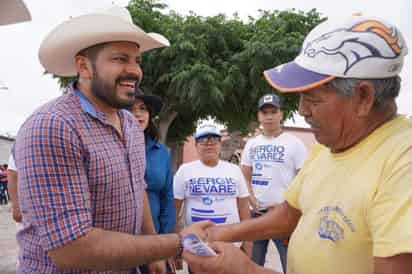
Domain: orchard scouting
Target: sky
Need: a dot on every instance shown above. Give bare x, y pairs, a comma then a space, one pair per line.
27, 87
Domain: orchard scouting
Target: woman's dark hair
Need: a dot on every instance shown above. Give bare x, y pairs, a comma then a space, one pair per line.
151, 129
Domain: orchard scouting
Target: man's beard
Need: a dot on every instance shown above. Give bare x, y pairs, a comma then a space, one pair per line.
107, 92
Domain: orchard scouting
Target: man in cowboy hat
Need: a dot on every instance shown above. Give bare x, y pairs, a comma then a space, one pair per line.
81, 157
349, 210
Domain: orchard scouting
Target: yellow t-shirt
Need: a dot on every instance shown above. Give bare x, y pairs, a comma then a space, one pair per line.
355, 205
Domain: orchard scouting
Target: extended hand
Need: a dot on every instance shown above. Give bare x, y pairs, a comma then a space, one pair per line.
199, 228
157, 267
175, 263
229, 260
16, 214
253, 202
247, 247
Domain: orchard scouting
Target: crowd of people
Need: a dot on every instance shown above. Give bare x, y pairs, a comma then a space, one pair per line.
94, 190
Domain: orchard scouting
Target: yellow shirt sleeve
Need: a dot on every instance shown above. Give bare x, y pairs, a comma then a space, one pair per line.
389, 214
293, 192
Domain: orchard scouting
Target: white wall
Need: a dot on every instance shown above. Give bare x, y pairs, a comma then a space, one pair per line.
5, 147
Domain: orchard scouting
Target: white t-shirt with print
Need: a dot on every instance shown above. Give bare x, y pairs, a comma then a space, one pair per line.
275, 162
210, 193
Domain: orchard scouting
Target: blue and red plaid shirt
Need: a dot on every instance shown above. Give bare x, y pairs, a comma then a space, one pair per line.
75, 172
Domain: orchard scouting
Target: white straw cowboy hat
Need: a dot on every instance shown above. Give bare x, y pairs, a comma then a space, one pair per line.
13, 11
59, 48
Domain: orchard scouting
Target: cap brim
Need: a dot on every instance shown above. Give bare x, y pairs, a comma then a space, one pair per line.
204, 134
291, 77
268, 104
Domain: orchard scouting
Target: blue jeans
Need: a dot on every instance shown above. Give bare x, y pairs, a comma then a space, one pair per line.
260, 248
4, 195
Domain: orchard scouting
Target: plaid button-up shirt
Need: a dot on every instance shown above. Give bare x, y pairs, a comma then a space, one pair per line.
75, 172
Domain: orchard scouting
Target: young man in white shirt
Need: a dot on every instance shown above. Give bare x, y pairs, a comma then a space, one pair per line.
210, 188
269, 163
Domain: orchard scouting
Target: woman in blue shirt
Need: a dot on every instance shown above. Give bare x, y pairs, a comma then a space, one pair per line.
158, 174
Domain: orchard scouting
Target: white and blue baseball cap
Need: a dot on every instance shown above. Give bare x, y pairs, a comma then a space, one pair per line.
356, 47
207, 130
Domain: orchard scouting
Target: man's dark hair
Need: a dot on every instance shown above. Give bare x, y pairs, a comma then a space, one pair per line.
92, 52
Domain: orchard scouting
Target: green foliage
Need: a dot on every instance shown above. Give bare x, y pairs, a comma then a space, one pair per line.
276, 38
214, 66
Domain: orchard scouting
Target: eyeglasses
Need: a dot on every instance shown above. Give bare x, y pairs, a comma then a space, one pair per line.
208, 140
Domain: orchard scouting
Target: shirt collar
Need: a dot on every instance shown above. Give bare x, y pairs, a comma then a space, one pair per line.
150, 142
86, 105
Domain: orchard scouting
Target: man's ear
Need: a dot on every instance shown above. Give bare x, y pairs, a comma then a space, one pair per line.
84, 67
365, 98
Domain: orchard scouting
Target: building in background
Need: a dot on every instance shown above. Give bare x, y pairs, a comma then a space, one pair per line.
6, 143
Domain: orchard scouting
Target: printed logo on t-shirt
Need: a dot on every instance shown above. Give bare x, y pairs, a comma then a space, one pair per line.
332, 223
207, 201
271, 153
225, 186
207, 214
260, 182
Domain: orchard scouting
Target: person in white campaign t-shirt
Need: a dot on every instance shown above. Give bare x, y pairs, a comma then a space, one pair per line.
269, 163
210, 188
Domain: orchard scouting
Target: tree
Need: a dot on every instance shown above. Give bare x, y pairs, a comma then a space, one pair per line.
277, 37
214, 66
189, 75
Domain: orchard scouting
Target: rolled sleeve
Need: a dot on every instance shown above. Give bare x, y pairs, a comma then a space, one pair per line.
52, 182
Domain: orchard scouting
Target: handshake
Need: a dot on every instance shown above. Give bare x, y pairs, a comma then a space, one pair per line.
205, 254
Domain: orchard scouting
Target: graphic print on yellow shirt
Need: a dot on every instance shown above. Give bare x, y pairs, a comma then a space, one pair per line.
355, 205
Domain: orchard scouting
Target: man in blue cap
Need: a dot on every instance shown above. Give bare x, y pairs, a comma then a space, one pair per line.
269, 163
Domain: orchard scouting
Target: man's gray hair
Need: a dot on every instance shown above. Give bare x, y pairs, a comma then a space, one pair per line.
387, 89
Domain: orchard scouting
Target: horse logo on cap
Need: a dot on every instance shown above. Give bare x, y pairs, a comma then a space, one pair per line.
366, 39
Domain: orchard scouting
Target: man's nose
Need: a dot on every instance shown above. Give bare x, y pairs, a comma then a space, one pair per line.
134, 69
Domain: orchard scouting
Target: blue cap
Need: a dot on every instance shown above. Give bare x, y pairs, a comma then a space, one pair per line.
207, 130
269, 99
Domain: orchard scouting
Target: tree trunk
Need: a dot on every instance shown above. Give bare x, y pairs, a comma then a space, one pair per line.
176, 150
176, 153
165, 121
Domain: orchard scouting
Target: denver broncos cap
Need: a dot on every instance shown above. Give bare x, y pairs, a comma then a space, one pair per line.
207, 130
357, 47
